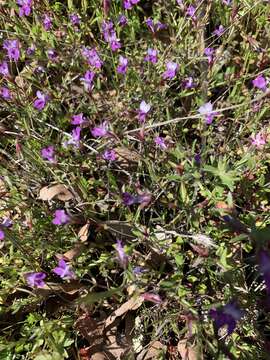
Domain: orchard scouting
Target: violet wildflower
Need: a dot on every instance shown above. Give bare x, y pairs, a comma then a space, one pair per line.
197, 159
107, 29
74, 137
4, 69
188, 83
160, 142
258, 140
206, 110
114, 42
143, 111
63, 270
5, 93
7, 222
41, 100
92, 57
227, 2
2, 235
128, 4
48, 154
128, 199
151, 56
209, 52
36, 279
122, 256
144, 199
74, 19
88, 80
264, 262
180, 2
219, 30
47, 22
51, 54
259, 82
171, 70
122, 20
109, 155
78, 119
31, 50
60, 217
100, 131
227, 315
154, 27
13, 49
191, 10
123, 64
24, 7
155, 298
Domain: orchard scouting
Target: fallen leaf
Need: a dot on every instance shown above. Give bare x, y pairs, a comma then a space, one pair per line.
132, 304
152, 352
187, 351
59, 191
83, 233
72, 253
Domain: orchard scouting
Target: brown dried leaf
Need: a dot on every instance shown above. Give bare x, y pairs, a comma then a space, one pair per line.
152, 352
132, 304
126, 156
70, 288
83, 233
59, 191
187, 351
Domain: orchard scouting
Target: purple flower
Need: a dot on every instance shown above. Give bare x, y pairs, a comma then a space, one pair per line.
78, 119
63, 270
88, 80
209, 52
114, 42
110, 35
109, 155
13, 49
60, 217
36, 279
4, 69
128, 199
92, 57
154, 27
122, 20
48, 154
2, 235
188, 83
206, 110
219, 30
100, 131
7, 222
160, 142
151, 56
260, 82
171, 70
258, 140
31, 50
142, 199
191, 10
123, 64
41, 100
25, 7
5, 93
74, 137
122, 256
51, 54
128, 4
74, 19
228, 315
47, 22
143, 111
197, 158
180, 2
227, 2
